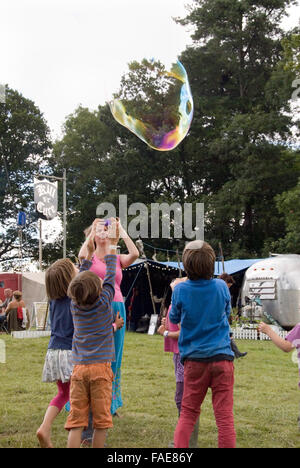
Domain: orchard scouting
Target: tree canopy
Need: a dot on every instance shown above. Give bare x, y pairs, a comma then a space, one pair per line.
236, 158
24, 148
240, 157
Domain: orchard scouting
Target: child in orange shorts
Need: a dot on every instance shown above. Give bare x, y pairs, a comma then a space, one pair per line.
93, 346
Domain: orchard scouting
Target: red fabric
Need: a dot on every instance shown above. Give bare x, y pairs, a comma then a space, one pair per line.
20, 313
198, 377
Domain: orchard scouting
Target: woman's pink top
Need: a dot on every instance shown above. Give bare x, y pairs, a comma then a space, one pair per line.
171, 344
99, 267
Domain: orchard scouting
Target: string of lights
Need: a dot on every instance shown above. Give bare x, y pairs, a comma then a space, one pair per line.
218, 257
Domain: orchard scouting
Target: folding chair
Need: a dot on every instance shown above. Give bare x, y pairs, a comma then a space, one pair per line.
3, 327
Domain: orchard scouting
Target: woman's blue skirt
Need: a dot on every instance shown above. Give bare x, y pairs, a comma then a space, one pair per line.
116, 366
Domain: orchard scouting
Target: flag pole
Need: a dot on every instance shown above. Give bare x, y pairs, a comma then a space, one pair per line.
65, 212
40, 245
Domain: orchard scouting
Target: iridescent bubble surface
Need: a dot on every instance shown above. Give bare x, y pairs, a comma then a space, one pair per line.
155, 104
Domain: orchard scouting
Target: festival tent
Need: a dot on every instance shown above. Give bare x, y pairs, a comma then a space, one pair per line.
145, 287
146, 291
33, 289
230, 266
234, 266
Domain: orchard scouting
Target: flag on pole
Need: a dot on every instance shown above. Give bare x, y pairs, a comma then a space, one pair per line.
45, 198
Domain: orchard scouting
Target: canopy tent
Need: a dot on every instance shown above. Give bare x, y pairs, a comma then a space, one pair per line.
146, 291
234, 266
231, 266
31, 284
33, 289
145, 286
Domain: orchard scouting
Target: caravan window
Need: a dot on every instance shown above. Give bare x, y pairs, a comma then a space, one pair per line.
1, 284
264, 289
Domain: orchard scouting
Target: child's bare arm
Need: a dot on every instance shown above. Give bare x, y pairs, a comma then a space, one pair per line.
281, 343
111, 261
118, 323
171, 334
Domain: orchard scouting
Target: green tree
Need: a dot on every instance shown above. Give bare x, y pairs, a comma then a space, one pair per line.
24, 148
241, 121
291, 48
235, 158
289, 207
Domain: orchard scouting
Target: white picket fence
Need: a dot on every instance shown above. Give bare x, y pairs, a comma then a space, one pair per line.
30, 334
238, 334
253, 334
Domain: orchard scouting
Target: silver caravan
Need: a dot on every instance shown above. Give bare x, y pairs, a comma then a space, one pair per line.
275, 284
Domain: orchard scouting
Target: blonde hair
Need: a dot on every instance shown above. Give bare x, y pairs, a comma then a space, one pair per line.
87, 232
17, 295
58, 277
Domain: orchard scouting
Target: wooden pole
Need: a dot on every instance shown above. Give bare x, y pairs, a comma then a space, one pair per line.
40, 245
178, 261
222, 257
65, 212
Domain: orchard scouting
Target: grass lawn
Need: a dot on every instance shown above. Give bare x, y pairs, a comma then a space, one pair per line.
266, 397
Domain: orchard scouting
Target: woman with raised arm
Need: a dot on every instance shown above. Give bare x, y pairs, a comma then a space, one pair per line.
98, 267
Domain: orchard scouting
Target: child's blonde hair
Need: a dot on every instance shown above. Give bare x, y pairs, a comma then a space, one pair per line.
58, 277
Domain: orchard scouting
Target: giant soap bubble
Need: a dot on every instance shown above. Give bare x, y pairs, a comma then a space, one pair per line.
155, 104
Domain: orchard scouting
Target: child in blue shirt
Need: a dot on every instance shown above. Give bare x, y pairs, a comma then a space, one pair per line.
58, 362
202, 306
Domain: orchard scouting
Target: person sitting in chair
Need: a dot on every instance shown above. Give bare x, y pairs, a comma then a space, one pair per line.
2, 319
8, 294
15, 314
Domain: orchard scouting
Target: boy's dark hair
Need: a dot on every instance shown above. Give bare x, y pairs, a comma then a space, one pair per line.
227, 278
85, 289
199, 260
58, 277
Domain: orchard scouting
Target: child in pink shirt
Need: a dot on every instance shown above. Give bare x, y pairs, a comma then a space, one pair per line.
291, 342
171, 332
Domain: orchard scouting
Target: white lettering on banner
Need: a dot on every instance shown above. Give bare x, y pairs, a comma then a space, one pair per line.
49, 212
45, 197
